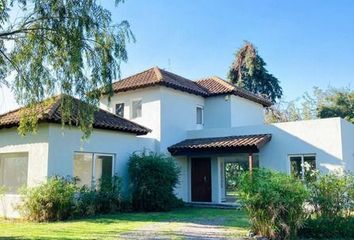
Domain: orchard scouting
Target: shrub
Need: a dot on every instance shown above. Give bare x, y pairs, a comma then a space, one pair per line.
274, 202
50, 201
153, 178
332, 228
59, 199
332, 195
103, 199
332, 199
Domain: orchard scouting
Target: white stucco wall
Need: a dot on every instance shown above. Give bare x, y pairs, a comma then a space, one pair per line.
245, 112
215, 180
170, 113
321, 137
151, 108
183, 187
65, 142
347, 130
36, 145
178, 114
232, 111
167, 112
217, 112
51, 152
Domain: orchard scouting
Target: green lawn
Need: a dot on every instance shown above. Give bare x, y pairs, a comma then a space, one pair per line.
177, 224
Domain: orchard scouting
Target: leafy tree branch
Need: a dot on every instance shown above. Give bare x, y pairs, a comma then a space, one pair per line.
61, 46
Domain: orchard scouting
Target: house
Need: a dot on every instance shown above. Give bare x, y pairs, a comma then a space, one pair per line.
209, 126
57, 151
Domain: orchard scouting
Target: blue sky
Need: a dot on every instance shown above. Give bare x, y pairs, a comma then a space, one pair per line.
304, 43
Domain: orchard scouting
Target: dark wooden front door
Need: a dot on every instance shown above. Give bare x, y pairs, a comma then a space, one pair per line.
201, 179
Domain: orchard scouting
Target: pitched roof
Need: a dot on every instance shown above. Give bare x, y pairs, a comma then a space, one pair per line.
50, 111
243, 143
207, 87
217, 86
156, 76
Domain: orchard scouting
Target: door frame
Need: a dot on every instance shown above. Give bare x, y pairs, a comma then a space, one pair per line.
191, 178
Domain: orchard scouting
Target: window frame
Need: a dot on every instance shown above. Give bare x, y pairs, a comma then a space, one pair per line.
202, 115
132, 108
27, 172
302, 156
115, 109
93, 164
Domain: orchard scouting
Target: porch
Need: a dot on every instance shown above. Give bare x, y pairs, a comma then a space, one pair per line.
211, 166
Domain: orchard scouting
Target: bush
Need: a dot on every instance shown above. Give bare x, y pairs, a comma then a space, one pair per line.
51, 201
105, 198
332, 199
59, 199
322, 227
332, 195
153, 178
274, 202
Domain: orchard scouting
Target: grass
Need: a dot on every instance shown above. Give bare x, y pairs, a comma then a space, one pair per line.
235, 222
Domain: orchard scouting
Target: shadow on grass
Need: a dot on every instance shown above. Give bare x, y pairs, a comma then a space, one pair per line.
120, 225
202, 216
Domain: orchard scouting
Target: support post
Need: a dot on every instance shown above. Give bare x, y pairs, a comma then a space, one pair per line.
250, 162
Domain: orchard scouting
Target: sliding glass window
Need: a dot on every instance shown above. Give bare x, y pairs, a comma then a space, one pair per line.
89, 168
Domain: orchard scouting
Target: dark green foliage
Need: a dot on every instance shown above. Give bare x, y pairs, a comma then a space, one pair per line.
329, 228
60, 199
332, 202
248, 71
153, 178
50, 201
274, 202
340, 103
61, 46
332, 195
232, 173
331, 102
105, 198
332, 199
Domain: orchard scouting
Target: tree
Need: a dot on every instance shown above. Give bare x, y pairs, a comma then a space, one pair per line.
60, 46
248, 71
311, 103
320, 103
340, 103
283, 112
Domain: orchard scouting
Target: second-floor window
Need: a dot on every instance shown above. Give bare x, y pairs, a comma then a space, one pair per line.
120, 109
200, 115
136, 108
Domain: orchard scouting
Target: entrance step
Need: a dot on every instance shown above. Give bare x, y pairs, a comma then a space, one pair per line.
214, 205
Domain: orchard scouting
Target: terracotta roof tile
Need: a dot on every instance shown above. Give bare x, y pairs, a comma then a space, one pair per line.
49, 111
156, 76
217, 86
206, 87
231, 143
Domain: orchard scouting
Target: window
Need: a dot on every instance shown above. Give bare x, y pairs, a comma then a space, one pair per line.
302, 166
136, 109
120, 109
13, 171
90, 167
83, 168
200, 115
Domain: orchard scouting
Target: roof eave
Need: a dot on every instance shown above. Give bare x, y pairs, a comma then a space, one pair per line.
211, 151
